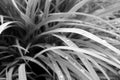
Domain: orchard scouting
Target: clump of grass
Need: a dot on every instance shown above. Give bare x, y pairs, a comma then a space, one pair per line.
59, 40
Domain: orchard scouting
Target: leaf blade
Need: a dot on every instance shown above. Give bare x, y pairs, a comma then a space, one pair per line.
22, 72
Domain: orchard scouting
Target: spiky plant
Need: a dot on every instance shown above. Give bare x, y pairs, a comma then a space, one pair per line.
59, 40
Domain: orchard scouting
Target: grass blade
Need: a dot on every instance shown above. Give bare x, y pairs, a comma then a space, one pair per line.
1, 19
78, 6
25, 17
22, 72
66, 40
65, 70
89, 67
47, 7
79, 50
36, 62
5, 26
57, 69
98, 66
107, 66
86, 34
9, 74
107, 11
